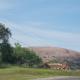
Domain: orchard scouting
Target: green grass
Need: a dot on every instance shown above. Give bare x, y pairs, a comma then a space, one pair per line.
18, 73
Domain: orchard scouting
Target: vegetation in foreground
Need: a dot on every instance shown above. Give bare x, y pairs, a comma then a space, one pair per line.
18, 73
15, 55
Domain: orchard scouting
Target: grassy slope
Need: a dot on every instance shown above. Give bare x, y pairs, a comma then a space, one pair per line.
17, 73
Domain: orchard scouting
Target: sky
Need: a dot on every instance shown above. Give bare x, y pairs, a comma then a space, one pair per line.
43, 23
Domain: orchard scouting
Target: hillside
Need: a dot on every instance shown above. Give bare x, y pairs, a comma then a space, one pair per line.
51, 52
60, 54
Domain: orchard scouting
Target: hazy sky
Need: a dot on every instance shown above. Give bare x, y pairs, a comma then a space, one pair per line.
43, 22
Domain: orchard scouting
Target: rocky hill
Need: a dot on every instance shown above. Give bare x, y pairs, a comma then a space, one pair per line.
60, 54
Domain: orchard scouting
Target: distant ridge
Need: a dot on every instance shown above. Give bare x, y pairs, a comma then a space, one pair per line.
49, 53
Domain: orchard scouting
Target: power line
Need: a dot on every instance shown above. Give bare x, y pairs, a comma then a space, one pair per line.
18, 41
24, 33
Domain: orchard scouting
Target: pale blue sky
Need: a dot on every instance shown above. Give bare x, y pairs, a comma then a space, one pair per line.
43, 22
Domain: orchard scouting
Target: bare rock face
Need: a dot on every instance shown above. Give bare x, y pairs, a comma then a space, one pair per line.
60, 55
48, 53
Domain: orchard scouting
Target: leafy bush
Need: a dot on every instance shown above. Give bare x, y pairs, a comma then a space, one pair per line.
6, 51
25, 57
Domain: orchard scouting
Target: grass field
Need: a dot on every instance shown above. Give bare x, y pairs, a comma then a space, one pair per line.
18, 73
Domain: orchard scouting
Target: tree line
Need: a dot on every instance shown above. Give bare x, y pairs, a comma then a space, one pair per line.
17, 55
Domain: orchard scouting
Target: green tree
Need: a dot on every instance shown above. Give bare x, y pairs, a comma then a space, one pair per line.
25, 56
5, 48
31, 58
18, 53
4, 33
7, 53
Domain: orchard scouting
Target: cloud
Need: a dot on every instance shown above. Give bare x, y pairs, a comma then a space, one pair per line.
29, 35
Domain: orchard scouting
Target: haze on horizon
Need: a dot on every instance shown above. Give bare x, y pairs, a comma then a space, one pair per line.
43, 22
